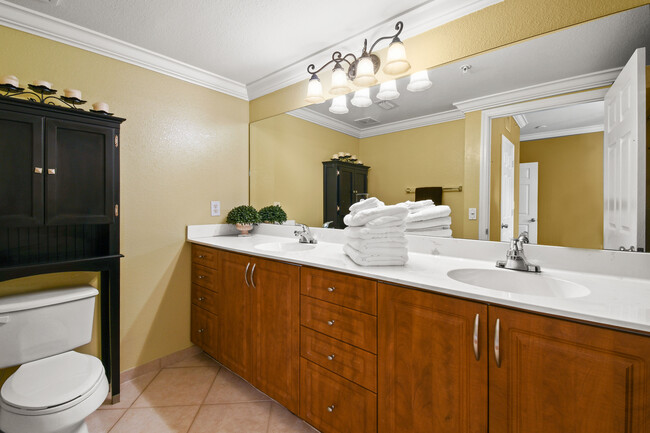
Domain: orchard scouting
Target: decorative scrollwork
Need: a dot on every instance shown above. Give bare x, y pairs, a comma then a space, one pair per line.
40, 94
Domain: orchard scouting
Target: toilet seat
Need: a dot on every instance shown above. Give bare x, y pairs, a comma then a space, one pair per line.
52, 384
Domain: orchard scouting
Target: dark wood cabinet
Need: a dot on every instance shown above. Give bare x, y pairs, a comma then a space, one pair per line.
344, 184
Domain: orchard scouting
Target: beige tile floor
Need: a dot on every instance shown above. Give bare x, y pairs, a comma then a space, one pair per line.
195, 395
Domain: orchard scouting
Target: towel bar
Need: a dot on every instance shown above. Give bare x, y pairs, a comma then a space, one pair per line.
444, 189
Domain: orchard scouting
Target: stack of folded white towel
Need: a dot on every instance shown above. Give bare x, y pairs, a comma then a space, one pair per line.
375, 234
425, 218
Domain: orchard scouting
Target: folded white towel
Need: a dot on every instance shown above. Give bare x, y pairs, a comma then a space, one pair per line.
414, 206
429, 213
374, 233
429, 224
369, 245
365, 260
386, 221
360, 218
368, 203
444, 233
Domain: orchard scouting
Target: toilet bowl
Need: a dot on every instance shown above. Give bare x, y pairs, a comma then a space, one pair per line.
51, 392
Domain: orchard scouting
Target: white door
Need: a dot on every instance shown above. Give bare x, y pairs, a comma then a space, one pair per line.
624, 158
528, 186
507, 189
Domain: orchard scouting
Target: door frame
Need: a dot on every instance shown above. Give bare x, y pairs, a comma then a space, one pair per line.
512, 229
486, 136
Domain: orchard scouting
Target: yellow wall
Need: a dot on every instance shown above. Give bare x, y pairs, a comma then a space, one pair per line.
427, 156
286, 164
182, 146
502, 126
570, 198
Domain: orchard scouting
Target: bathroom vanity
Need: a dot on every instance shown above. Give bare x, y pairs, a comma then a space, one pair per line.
409, 349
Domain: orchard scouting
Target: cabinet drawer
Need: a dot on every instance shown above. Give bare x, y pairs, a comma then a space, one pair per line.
358, 329
203, 276
352, 292
203, 330
204, 298
333, 404
204, 256
348, 361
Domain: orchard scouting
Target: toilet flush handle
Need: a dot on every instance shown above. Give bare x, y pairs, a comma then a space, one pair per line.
4, 320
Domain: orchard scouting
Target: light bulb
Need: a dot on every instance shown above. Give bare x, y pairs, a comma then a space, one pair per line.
388, 91
419, 81
314, 91
396, 61
365, 75
362, 98
339, 81
339, 105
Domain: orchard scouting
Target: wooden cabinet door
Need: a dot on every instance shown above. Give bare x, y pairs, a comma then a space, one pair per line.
235, 313
345, 187
79, 173
21, 157
560, 376
276, 331
429, 377
203, 330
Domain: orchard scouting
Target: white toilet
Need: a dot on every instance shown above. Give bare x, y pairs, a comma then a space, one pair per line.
55, 388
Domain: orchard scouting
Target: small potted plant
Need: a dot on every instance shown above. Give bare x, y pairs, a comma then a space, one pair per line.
273, 214
243, 217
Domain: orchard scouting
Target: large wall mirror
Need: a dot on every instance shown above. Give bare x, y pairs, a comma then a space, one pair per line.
534, 166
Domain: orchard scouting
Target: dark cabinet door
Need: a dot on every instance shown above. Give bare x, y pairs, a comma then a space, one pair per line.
346, 183
21, 170
79, 173
360, 185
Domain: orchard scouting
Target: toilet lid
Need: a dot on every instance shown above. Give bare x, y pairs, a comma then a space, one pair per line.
52, 381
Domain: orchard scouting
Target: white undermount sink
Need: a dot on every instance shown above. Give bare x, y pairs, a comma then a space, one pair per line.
284, 247
521, 283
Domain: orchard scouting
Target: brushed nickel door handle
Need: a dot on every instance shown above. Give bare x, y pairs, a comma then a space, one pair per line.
330, 322
331, 289
51, 171
497, 353
253, 276
246, 274
38, 170
477, 355
532, 220
331, 357
330, 408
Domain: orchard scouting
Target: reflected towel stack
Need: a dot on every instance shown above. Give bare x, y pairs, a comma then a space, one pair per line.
425, 218
375, 234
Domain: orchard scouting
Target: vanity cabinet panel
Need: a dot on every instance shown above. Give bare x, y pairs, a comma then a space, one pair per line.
204, 256
333, 404
203, 276
204, 298
203, 330
559, 376
429, 377
340, 289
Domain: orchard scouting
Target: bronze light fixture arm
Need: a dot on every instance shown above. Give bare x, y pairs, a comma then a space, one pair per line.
399, 26
337, 58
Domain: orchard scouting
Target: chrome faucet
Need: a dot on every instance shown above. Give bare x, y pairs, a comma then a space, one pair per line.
515, 258
306, 236
328, 224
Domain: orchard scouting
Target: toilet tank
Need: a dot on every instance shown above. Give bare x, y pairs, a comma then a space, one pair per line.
41, 324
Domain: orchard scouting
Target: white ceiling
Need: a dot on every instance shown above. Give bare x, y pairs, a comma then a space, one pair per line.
559, 122
598, 45
238, 44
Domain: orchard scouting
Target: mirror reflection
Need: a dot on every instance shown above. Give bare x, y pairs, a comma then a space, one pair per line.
433, 138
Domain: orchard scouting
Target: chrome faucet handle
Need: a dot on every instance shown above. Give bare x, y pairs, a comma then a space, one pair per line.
327, 224
306, 236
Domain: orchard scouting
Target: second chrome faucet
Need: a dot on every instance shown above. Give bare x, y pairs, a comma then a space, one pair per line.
515, 258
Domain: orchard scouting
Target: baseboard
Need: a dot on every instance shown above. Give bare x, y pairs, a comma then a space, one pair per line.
159, 363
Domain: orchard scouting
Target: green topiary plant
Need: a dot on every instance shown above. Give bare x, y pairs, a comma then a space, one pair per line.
243, 215
273, 214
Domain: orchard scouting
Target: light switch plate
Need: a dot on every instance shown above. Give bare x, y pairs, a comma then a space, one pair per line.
472, 213
215, 208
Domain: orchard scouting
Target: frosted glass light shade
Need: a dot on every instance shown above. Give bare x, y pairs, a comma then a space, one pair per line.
339, 81
388, 91
365, 72
339, 105
419, 81
396, 61
362, 98
314, 91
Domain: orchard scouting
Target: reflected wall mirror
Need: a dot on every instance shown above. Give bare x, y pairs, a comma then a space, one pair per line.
438, 137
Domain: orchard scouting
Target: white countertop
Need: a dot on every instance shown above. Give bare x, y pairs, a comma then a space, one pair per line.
613, 300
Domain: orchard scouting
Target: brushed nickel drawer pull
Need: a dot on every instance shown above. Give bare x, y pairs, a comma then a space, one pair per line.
201, 256
201, 277
38, 170
201, 330
330, 408
246, 274
201, 298
330, 322
331, 289
331, 357
477, 355
497, 354
253, 276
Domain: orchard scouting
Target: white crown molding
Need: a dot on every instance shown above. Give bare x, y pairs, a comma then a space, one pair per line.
562, 132
401, 125
36, 23
418, 20
521, 120
416, 122
552, 88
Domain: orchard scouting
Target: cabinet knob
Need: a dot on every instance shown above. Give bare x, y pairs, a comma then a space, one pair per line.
330, 408
331, 289
201, 256
201, 330
330, 322
51, 171
331, 357
201, 277
38, 170
201, 298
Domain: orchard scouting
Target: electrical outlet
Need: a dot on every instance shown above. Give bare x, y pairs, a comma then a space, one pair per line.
215, 208
472, 213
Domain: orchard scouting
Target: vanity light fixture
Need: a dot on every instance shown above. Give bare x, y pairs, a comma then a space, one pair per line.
361, 98
388, 91
361, 71
419, 81
339, 105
